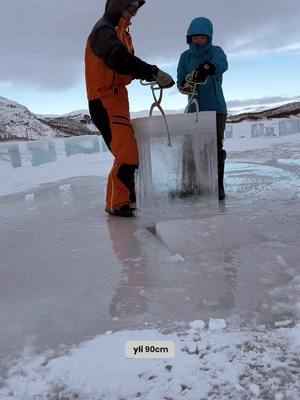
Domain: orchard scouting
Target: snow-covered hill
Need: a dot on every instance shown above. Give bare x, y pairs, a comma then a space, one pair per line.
73, 124
284, 111
16, 122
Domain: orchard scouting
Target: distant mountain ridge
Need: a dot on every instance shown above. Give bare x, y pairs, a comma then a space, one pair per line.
73, 124
19, 123
284, 111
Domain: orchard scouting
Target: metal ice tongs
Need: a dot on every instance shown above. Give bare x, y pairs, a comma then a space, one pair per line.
192, 99
157, 103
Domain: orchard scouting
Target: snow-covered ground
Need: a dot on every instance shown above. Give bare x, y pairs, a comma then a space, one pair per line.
222, 282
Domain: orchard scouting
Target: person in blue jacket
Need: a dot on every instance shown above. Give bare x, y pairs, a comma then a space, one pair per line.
206, 63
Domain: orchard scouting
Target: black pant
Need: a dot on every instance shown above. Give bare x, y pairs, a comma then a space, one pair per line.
100, 118
221, 123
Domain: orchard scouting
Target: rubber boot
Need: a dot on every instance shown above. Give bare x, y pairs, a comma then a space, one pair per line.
124, 211
126, 175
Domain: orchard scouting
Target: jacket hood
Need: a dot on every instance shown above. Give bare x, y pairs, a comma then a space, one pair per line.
200, 26
114, 8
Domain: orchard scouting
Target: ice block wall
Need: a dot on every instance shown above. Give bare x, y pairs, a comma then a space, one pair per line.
43, 151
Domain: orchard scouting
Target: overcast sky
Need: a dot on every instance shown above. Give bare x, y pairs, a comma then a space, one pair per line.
42, 47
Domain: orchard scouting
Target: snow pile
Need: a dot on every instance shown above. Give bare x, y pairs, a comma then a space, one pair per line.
210, 363
18, 122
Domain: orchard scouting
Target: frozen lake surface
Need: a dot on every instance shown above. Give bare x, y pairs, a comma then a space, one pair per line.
70, 274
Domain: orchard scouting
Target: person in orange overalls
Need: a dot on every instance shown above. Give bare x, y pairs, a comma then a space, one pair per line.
110, 65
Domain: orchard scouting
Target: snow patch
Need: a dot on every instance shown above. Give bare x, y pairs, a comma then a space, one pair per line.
208, 365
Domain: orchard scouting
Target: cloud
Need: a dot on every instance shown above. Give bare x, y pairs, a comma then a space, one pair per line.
262, 52
261, 101
42, 43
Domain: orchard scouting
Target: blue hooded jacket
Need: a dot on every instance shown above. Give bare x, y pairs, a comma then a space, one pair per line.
210, 97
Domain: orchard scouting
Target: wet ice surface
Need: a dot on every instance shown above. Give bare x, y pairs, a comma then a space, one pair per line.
69, 274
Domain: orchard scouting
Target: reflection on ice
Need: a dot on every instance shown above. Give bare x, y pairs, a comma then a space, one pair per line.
129, 297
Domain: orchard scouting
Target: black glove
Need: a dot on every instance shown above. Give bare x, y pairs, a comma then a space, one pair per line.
186, 87
200, 74
146, 72
163, 79
208, 68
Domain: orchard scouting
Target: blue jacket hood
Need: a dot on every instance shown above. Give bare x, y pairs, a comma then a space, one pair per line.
200, 26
